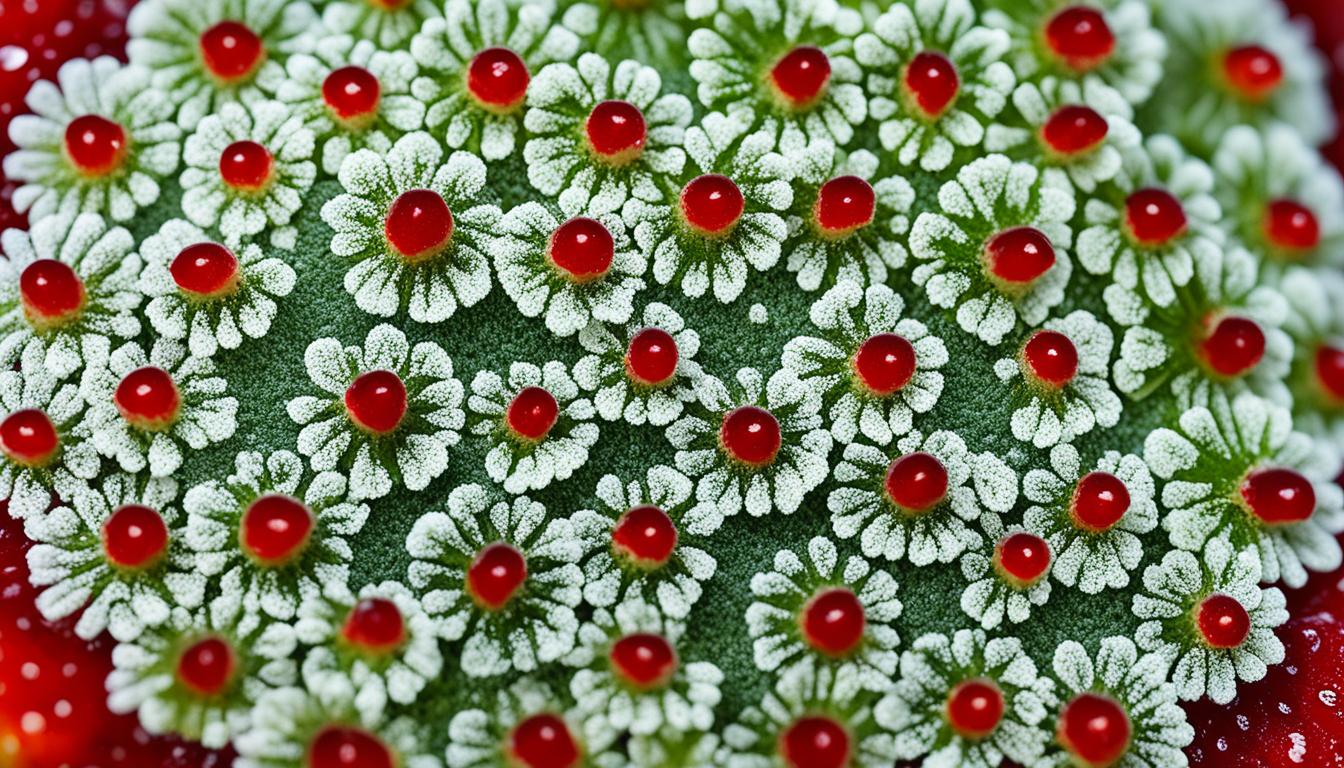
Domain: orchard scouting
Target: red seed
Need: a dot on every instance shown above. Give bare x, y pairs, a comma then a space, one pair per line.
750, 436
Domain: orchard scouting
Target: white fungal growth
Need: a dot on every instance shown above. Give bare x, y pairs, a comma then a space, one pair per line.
616, 394
388, 25
989, 598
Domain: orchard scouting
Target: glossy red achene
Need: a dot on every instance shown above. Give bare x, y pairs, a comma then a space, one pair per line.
916, 482
1291, 226
496, 574
341, 746
134, 537
532, 413
95, 145
497, 79
1253, 72
582, 249
1330, 371
1051, 358
833, 621
28, 438
1099, 501
374, 625
645, 535
800, 76
544, 741
884, 363
376, 401
616, 131
418, 225
275, 529
1074, 130
51, 293
148, 399
1233, 347
1022, 559
1278, 495
931, 84
844, 205
651, 359
352, 95
1080, 38
643, 661
1154, 217
207, 667
205, 270
231, 51
712, 204
1095, 729
246, 166
815, 741
1222, 620
750, 435
975, 708
1019, 256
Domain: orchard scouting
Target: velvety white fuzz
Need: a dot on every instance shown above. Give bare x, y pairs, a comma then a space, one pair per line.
1034, 103
640, 30
990, 195
70, 564
915, 709
104, 87
864, 256
1254, 168
1058, 415
783, 595
286, 721
978, 483
144, 679
210, 201
517, 461
848, 315
431, 286
612, 575
949, 28
1315, 320
537, 625
1158, 728
28, 486
479, 738
1204, 462
389, 25
101, 258
616, 394
700, 262
799, 465
415, 451
270, 592
1086, 558
1149, 276
1200, 108
166, 40
839, 694
373, 679
539, 286
560, 161
1173, 591
739, 47
205, 414
209, 323
396, 112
445, 48
989, 596
1130, 72
610, 707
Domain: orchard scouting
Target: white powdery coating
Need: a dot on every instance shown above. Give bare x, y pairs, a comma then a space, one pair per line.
266, 594
1169, 604
647, 32
985, 81
518, 463
977, 484
207, 325
848, 315
674, 586
782, 595
989, 195
1139, 685
915, 709
799, 466
478, 738
559, 162
445, 47
389, 25
538, 285
1084, 403
120, 94
165, 39
415, 452
205, 416
616, 395
384, 282
103, 260
27, 488
1203, 462
609, 708
69, 563
745, 38
700, 263
537, 626
1090, 560
988, 597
